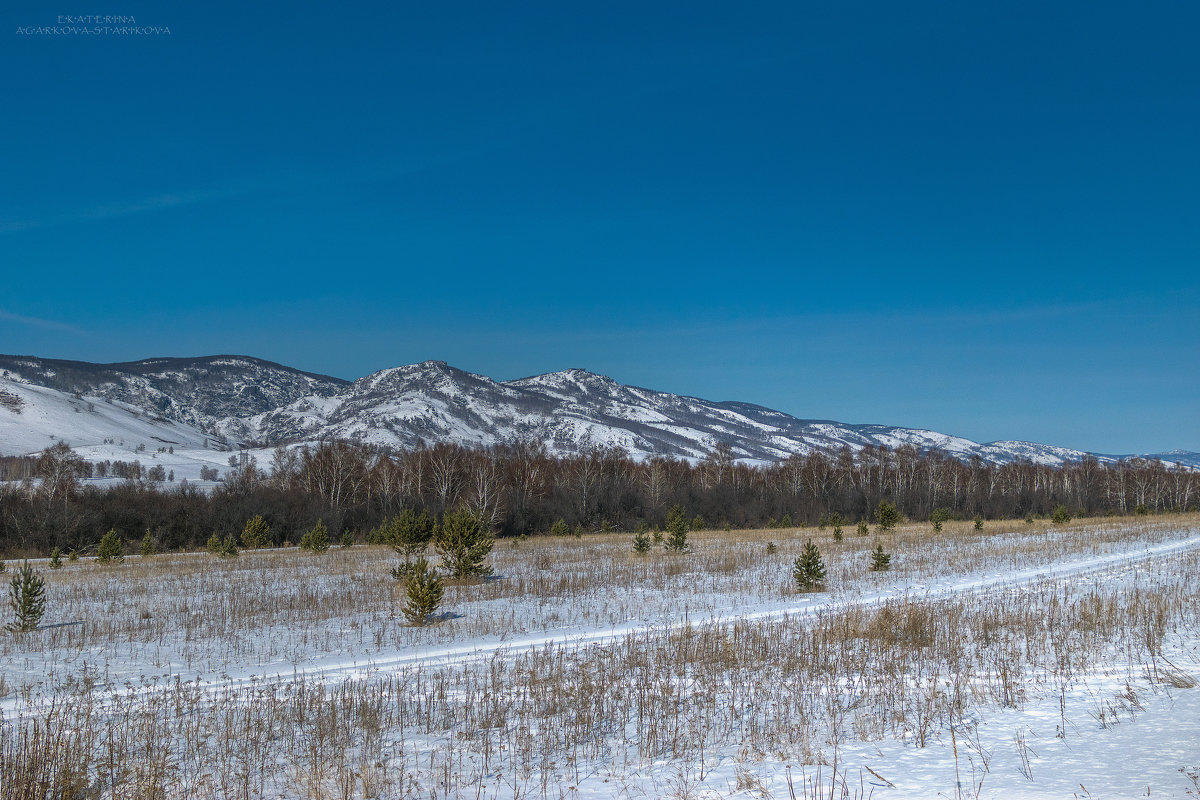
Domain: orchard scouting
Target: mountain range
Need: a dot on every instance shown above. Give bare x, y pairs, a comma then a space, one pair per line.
186, 412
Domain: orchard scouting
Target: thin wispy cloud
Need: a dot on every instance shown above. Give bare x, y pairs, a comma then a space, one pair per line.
34, 322
118, 210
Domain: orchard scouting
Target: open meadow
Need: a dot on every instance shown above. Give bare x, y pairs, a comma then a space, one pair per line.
1019, 660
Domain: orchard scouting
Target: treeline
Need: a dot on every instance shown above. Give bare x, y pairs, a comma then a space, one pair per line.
520, 489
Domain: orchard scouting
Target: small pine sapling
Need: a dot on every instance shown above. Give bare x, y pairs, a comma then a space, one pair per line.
317, 539
347, 539
213, 545
110, 548
880, 561
73, 555
677, 530
559, 528
886, 516
863, 529
256, 533
641, 542
1060, 515
939, 516
423, 593
808, 570
978, 522
27, 599
56, 558
229, 547
463, 543
147, 547
698, 523
578, 530
408, 533
771, 548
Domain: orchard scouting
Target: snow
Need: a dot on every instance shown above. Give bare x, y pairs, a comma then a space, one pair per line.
1114, 729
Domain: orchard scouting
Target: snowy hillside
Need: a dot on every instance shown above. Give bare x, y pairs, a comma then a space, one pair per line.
238, 401
34, 417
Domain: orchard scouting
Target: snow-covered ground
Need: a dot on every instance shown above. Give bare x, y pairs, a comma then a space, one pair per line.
1010, 663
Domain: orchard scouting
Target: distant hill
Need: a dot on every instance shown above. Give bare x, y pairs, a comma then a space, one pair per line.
200, 406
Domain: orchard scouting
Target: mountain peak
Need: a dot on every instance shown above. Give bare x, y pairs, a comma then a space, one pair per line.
250, 400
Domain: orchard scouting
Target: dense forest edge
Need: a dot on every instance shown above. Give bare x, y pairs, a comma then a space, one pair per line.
46, 501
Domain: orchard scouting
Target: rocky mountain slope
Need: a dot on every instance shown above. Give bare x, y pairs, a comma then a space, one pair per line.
238, 401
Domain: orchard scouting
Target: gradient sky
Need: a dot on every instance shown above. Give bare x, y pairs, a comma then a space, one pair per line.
976, 217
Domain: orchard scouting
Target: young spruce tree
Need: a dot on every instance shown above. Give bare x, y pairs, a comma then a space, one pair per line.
886, 516
677, 530
463, 543
423, 591
27, 599
880, 561
641, 542
808, 570
256, 534
317, 539
111, 548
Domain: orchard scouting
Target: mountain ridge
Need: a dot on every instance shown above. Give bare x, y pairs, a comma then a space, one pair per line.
230, 401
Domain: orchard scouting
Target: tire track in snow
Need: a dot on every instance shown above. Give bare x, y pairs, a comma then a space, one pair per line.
458, 655
461, 655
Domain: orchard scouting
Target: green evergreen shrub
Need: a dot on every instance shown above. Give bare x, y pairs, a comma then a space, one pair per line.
463, 543
1060, 515
27, 599
560, 528
677, 530
808, 571
641, 542
423, 593
880, 561
147, 547
111, 548
863, 529
256, 533
407, 533
978, 522
317, 539
56, 558
887, 516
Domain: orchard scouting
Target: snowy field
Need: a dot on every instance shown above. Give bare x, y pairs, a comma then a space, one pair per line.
1020, 661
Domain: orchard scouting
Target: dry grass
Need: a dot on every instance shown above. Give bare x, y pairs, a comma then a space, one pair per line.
526, 723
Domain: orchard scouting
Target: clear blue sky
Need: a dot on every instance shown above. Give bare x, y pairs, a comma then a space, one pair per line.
977, 217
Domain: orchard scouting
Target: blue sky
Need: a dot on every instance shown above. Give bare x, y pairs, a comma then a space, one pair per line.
980, 218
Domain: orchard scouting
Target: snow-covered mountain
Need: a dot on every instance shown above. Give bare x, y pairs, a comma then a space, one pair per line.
237, 401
